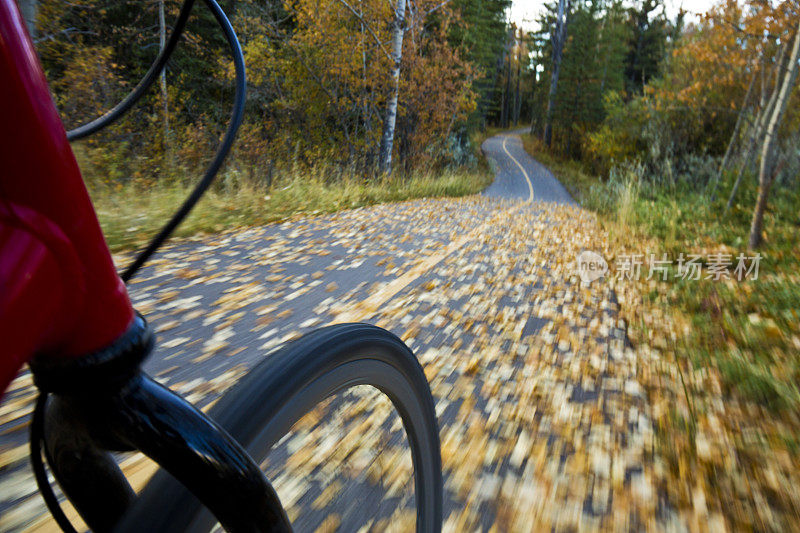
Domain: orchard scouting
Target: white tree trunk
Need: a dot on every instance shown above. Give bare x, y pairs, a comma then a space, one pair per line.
517, 96
766, 173
162, 41
735, 134
390, 118
767, 103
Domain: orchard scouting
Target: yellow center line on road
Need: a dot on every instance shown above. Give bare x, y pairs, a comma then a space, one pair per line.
524, 173
370, 306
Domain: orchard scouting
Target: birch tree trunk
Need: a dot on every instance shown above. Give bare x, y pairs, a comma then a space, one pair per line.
747, 155
735, 133
387, 138
766, 104
517, 97
162, 41
558, 38
766, 174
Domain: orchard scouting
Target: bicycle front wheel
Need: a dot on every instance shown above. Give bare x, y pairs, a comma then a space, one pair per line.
292, 384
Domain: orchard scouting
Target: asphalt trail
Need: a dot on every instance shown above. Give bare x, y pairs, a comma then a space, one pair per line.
519, 175
468, 283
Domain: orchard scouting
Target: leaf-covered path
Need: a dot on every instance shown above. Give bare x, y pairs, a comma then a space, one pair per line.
543, 421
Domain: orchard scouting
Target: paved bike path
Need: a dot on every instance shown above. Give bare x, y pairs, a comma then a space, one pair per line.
542, 421
518, 174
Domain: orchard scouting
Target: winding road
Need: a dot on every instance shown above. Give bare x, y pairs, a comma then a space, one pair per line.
542, 420
519, 175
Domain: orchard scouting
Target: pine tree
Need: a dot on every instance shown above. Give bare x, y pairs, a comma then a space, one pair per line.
612, 46
579, 98
649, 31
592, 64
481, 38
558, 37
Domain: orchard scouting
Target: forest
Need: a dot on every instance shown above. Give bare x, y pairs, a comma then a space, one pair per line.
348, 103
401, 88
368, 86
697, 106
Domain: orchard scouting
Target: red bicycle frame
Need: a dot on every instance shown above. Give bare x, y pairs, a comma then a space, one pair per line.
60, 295
62, 301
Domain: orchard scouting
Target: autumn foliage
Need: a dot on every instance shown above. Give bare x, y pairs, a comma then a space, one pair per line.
693, 105
318, 82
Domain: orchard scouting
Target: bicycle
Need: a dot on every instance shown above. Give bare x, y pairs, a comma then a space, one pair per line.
65, 311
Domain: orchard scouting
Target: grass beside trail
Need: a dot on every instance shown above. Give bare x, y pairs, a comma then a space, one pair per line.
132, 213
727, 403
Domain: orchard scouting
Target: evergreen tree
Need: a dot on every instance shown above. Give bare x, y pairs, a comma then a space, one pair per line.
649, 32
612, 46
593, 65
579, 98
481, 38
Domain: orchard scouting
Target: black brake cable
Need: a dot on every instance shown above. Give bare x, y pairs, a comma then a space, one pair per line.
152, 74
37, 422
222, 151
111, 116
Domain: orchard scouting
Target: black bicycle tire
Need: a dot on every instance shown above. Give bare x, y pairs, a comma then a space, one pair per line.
259, 410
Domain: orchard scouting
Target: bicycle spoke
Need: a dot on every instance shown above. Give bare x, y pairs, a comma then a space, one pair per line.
347, 456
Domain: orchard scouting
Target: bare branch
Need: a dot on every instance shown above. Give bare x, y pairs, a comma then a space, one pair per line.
437, 7
68, 32
368, 27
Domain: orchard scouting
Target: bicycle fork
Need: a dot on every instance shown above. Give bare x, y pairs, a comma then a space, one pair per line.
86, 418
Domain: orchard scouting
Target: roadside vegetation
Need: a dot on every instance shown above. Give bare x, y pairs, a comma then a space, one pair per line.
725, 382
749, 329
131, 213
695, 153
